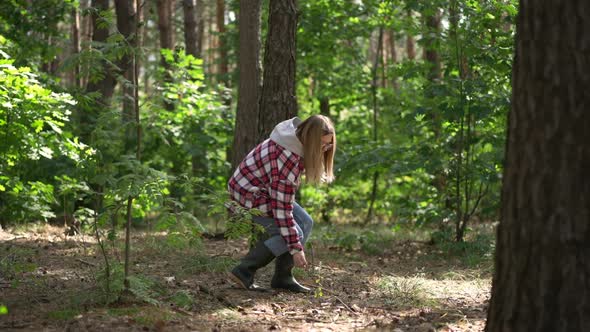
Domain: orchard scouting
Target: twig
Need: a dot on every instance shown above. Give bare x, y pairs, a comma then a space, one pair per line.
331, 292
309, 319
346, 305
182, 311
85, 262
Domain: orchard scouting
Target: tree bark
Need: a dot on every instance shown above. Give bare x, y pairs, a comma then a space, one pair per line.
75, 32
433, 27
199, 166
106, 86
325, 106
222, 70
410, 43
249, 85
129, 89
166, 28
100, 34
165, 23
191, 33
542, 263
200, 26
278, 101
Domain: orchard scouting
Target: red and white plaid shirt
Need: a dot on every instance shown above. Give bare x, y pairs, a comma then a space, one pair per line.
267, 180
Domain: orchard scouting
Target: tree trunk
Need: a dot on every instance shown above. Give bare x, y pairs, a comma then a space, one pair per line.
86, 32
222, 70
410, 43
165, 23
249, 85
106, 86
389, 58
75, 31
129, 89
430, 45
542, 272
378, 55
191, 33
325, 106
278, 101
166, 28
199, 166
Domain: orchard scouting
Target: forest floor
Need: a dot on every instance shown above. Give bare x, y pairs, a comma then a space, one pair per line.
51, 282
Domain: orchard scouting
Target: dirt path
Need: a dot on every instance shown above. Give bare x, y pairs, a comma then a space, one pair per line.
49, 282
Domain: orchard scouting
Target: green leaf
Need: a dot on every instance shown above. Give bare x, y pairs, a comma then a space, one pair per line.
3, 310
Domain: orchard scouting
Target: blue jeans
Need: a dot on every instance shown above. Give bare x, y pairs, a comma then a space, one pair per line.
275, 243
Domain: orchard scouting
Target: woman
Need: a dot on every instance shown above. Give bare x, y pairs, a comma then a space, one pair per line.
267, 180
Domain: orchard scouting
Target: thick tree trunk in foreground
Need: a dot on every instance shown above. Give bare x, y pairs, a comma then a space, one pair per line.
542, 278
278, 100
249, 85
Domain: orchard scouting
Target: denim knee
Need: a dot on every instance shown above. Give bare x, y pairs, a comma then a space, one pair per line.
304, 220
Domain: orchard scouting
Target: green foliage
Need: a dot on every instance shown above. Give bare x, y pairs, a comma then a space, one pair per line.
30, 25
183, 299
3, 310
112, 287
63, 314
476, 251
32, 127
370, 241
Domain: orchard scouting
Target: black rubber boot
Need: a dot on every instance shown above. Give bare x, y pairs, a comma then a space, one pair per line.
243, 274
283, 277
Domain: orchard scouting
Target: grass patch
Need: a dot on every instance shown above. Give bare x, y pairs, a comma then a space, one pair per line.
405, 292
477, 251
64, 314
373, 240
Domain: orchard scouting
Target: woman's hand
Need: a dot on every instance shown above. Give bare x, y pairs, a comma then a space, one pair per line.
299, 259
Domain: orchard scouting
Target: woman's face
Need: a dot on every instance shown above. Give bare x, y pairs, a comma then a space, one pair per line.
327, 142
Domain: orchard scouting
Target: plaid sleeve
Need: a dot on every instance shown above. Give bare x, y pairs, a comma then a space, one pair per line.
282, 195
284, 183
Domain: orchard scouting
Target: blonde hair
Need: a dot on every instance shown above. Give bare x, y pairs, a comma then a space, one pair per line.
319, 165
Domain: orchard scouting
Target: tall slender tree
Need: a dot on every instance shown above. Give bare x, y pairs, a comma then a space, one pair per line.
542, 263
249, 85
191, 31
75, 33
193, 47
278, 101
410, 42
223, 61
432, 34
167, 41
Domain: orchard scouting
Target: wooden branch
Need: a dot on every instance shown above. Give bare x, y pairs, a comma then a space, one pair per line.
479, 197
85, 262
331, 292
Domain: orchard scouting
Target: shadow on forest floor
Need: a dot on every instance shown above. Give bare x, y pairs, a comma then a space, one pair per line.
50, 282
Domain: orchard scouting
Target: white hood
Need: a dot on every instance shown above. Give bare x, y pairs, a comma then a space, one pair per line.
284, 135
